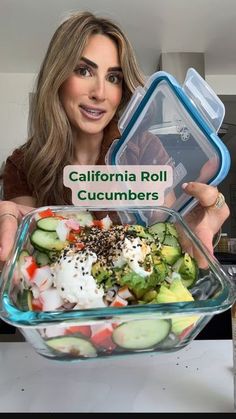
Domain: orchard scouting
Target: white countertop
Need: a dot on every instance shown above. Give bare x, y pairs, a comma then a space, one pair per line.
198, 378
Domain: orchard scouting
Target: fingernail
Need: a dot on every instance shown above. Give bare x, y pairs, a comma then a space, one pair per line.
184, 186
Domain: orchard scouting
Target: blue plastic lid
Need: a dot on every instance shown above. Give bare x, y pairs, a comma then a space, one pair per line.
165, 123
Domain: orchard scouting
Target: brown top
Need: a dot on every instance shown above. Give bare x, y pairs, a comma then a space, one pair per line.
146, 149
14, 176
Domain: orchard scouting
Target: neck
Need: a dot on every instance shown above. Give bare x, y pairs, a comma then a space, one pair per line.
87, 149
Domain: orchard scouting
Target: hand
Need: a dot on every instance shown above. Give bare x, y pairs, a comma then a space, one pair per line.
205, 220
9, 224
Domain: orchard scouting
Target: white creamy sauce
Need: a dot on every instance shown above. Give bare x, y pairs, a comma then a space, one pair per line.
74, 282
134, 253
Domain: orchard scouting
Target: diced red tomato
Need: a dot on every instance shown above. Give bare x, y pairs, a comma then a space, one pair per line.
46, 213
36, 304
76, 231
102, 337
79, 246
31, 269
72, 238
97, 223
99, 334
49, 213
84, 330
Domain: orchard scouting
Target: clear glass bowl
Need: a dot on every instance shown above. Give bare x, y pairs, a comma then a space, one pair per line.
73, 335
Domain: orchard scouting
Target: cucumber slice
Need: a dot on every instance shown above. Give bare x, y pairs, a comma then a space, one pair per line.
42, 258
141, 334
72, 345
48, 223
47, 240
160, 230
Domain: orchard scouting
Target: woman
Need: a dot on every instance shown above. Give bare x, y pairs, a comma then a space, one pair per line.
87, 77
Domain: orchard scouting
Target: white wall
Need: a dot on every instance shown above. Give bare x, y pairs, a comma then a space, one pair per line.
222, 84
14, 107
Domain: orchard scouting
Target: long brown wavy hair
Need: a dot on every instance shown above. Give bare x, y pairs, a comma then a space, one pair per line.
50, 146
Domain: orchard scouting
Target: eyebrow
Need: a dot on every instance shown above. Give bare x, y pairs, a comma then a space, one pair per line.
94, 65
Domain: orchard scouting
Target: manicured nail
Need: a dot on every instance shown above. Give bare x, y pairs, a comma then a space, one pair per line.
184, 186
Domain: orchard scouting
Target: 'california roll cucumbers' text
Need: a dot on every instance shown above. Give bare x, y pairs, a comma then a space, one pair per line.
130, 184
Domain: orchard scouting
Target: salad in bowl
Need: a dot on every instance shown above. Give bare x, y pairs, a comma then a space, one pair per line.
80, 286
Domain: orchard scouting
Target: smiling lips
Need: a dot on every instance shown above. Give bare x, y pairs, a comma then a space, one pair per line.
91, 113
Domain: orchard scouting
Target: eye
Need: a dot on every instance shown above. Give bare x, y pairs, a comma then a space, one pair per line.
115, 78
83, 71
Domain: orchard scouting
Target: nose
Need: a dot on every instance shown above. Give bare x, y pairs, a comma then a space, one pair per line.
98, 90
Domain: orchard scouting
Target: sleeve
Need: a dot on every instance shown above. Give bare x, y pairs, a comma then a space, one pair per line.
14, 177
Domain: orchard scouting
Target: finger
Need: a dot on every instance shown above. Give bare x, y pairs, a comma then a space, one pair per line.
9, 207
205, 194
8, 225
8, 228
23, 210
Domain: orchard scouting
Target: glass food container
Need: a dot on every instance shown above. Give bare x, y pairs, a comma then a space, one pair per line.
124, 317
168, 124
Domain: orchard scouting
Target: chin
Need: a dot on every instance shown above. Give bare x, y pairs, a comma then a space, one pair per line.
93, 131
93, 128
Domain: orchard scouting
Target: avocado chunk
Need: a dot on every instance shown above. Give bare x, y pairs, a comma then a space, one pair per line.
181, 292
160, 230
181, 323
187, 267
100, 273
171, 229
160, 267
175, 293
165, 295
170, 254
150, 296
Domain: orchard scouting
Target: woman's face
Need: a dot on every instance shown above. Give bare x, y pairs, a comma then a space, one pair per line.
92, 94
